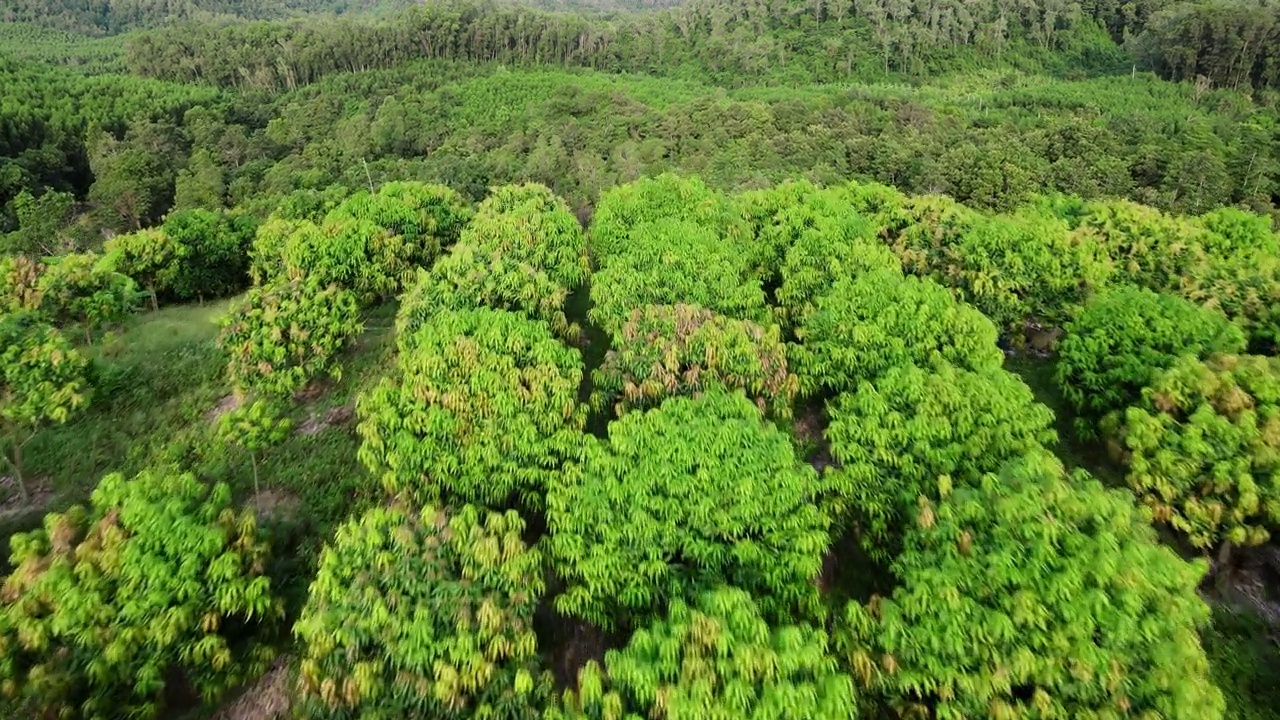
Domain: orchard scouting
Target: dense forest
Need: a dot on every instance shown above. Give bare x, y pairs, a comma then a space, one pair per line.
800, 359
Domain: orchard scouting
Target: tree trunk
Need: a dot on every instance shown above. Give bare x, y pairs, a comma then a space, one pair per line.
155, 303
257, 492
15, 462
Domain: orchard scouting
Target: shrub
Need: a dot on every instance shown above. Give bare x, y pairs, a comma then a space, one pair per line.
280, 337
669, 262
468, 278
254, 427
1123, 337
1035, 594
1203, 448
717, 659
881, 320
149, 257
160, 578
42, 382
894, 437
424, 615
19, 283
483, 409
680, 498
668, 350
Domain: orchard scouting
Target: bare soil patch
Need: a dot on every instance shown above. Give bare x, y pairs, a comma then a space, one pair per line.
224, 406
267, 699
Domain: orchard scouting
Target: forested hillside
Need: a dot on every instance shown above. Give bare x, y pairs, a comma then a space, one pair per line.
799, 359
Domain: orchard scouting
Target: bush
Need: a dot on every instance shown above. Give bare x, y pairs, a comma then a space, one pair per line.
898, 437
881, 320
680, 498
424, 615
672, 261
160, 579
483, 409
1202, 448
19, 283
280, 337
668, 350
1035, 594
1121, 339
469, 277
212, 253
717, 659
149, 257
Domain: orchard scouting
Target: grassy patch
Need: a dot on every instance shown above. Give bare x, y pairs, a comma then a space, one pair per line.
1245, 662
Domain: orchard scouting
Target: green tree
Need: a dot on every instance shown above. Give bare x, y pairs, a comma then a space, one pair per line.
212, 251
821, 257
150, 257
267, 252
529, 225
41, 220
20, 283
130, 184
680, 498
424, 615
159, 581
896, 435
668, 350
1031, 594
42, 382
717, 659
1202, 448
200, 184
280, 337
881, 320
85, 289
483, 409
1147, 247
1121, 339
254, 427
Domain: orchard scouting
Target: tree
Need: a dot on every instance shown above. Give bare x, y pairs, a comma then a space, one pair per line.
429, 217
40, 223
1202, 448
130, 183
881, 320
717, 659
212, 252
200, 184
1148, 247
529, 225
1035, 593
672, 261
821, 257
20, 283
483, 409
1246, 287
668, 350
470, 277
896, 435
280, 337
681, 201
1121, 339
267, 252
160, 581
254, 427
85, 289
697, 492
42, 382
150, 257
424, 615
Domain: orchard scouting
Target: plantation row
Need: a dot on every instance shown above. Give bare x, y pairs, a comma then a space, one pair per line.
944, 561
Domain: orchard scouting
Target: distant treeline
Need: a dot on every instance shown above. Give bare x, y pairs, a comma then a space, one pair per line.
108, 17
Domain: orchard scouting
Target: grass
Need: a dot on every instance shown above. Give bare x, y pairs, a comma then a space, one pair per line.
1245, 663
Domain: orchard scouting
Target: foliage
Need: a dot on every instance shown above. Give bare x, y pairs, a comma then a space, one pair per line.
42, 382
1234, 231
529, 225
267, 253
1148, 247
426, 615
1035, 593
694, 493
281, 336
673, 261
426, 216
1245, 286
626, 215
718, 659
668, 350
881, 320
483, 409
898, 437
159, 581
1203, 448
41, 221
1121, 339
212, 253
81, 288
20, 283
468, 278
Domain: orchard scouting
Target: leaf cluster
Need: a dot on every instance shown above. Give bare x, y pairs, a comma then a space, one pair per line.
1202, 448
483, 409
281, 336
697, 492
42, 377
82, 289
211, 250
424, 615
160, 578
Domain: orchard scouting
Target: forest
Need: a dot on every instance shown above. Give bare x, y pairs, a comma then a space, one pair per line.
622, 359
